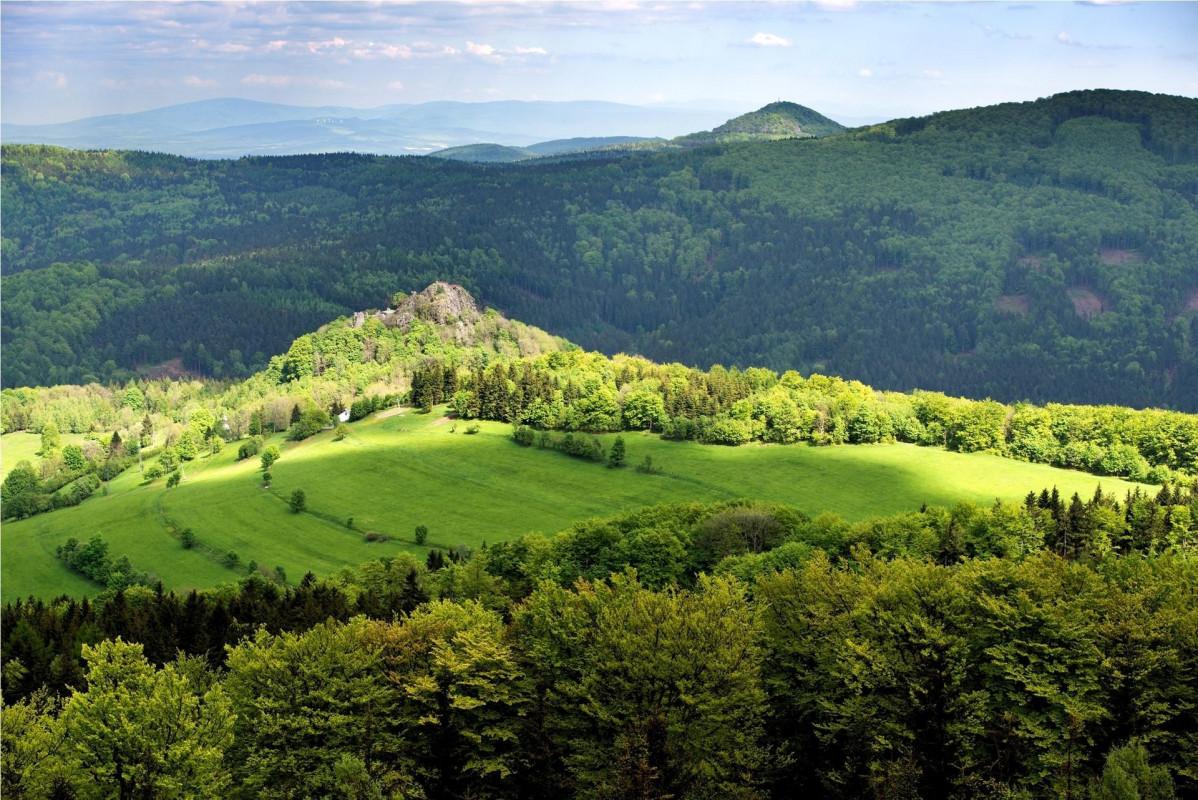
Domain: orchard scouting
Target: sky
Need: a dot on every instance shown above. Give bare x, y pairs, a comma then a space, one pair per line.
854, 61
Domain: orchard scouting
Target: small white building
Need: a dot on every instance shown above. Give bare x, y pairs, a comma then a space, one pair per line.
343, 416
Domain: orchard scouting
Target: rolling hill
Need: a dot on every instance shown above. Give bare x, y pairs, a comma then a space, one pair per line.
781, 120
234, 127
502, 154
773, 122
396, 471
368, 484
1041, 250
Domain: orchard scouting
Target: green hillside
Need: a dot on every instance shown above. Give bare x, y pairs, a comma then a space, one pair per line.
779, 120
1040, 250
488, 153
485, 153
396, 471
1036, 250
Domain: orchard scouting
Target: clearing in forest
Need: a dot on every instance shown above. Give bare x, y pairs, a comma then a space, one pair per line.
391, 474
1087, 304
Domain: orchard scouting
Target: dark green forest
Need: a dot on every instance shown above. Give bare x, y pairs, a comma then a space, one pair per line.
1041, 251
732, 650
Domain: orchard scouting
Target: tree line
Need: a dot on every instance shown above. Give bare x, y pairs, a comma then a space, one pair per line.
578, 391
510, 372
729, 649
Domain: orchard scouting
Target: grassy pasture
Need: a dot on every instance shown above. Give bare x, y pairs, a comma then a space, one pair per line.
395, 472
22, 446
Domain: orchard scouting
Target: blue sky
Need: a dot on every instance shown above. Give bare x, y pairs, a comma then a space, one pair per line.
856, 62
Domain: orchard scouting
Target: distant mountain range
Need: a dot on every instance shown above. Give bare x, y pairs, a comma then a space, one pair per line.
233, 127
491, 153
779, 120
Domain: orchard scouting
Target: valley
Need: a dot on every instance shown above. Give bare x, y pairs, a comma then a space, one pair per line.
373, 436
970, 251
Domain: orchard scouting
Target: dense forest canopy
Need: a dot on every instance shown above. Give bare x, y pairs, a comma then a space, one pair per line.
683, 651
1040, 251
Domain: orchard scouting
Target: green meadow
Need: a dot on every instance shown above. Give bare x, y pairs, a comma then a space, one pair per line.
22, 446
395, 472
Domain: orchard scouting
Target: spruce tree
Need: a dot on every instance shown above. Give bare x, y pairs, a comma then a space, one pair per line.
615, 458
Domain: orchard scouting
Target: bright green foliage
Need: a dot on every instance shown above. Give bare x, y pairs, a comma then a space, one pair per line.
269, 456
895, 657
73, 458
462, 697
304, 702
644, 409
33, 759
201, 423
50, 439
142, 732
512, 490
20, 492
311, 421
617, 455
632, 709
188, 446
575, 391
298, 362
133, 398
1127, 775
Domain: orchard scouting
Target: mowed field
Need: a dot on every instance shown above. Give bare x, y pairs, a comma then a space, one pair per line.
21, 446
395, 472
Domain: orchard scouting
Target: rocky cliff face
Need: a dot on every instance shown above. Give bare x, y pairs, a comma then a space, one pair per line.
446, 305
458, 318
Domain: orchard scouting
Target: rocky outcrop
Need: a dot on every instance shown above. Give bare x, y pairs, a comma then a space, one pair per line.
440, 303
459, 319
446, 305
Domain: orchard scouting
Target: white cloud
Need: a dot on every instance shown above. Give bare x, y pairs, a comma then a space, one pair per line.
865, 72
55, 79
490, 52
768, 40
428, 49
283, 81
1065, 38
394, 51
199, 83
231, 47
372, 50
482, 50
396, 85
276, 45
934, 74
335, 43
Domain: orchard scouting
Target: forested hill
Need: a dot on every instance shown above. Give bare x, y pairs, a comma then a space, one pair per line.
1044, 250
779, 120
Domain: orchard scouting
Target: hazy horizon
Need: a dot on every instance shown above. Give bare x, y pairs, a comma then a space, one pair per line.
854, 62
